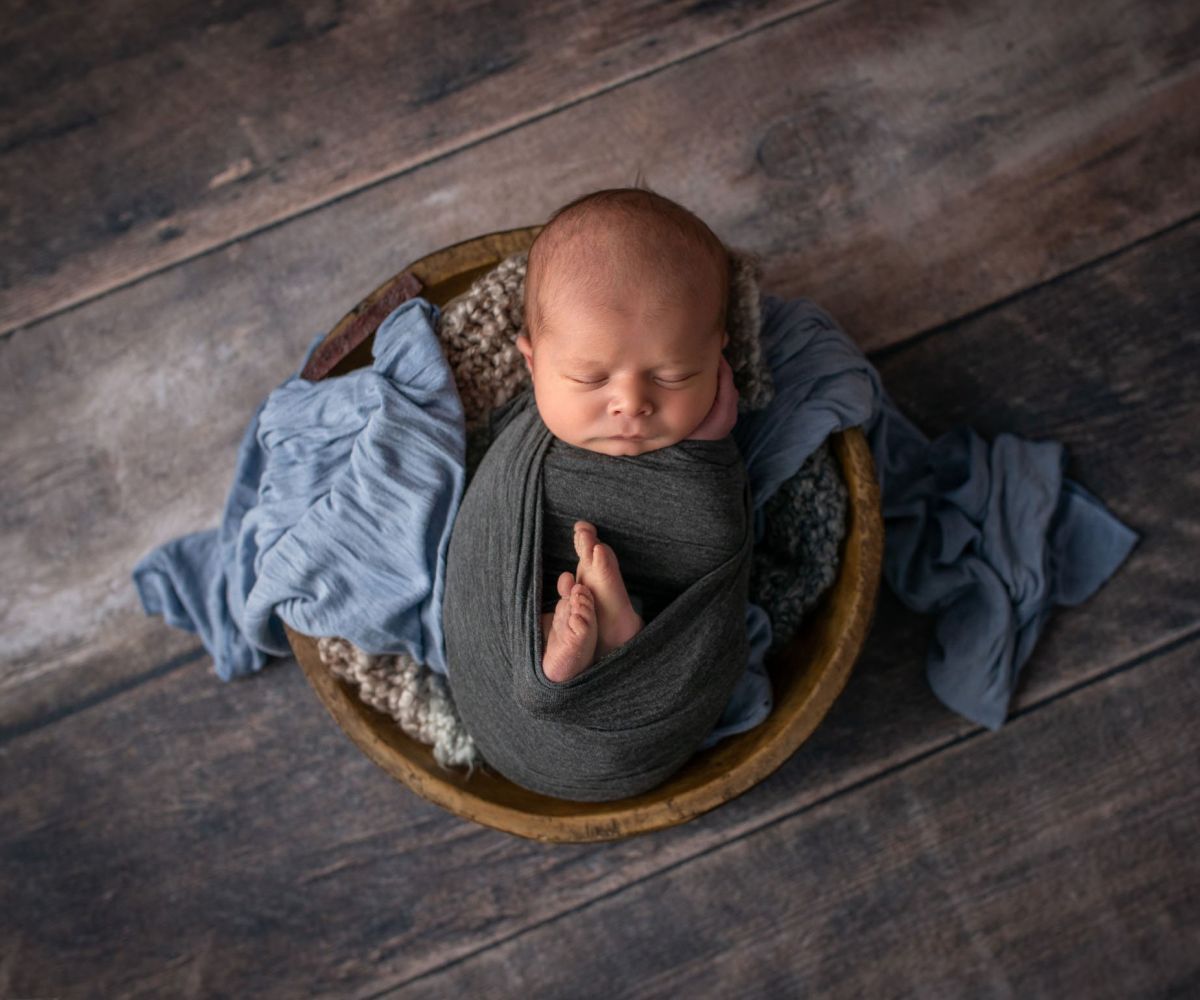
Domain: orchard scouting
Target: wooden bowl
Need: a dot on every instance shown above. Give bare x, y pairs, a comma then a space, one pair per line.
806, 676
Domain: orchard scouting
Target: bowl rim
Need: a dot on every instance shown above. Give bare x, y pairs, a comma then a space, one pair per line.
736, 763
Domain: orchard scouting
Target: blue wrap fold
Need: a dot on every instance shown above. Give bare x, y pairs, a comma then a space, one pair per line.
345, 492
986, 537
340, 513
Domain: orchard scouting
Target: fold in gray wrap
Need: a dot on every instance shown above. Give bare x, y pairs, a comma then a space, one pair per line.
634, 717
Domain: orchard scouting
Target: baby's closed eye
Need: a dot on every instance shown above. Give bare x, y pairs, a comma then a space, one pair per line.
661, 379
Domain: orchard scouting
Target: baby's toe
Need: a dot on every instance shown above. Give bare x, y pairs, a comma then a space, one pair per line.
618, 622
606, 571
562, 614
585, 540
583, 607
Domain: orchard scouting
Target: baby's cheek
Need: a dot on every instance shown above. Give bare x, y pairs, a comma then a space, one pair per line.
689, 412
703, 401
573, 416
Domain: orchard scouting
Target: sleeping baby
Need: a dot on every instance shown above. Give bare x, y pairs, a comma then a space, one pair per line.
579, 675
625, 302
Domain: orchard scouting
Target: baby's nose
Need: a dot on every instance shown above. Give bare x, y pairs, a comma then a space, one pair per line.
630, 401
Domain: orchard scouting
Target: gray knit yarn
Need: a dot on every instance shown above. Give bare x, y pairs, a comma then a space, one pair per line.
798, 558
794, 564
751, 374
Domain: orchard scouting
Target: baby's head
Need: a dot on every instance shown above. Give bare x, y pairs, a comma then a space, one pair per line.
625, 301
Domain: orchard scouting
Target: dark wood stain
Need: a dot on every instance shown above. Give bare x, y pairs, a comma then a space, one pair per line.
182, 93
1058, 851
46, 133
237, 778
167, 834
451, 80
338, 353
905, 253
299, 29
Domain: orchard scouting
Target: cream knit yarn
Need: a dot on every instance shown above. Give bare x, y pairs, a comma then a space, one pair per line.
478, 331
410, 693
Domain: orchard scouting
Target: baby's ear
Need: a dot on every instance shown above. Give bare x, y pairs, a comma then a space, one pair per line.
525, 346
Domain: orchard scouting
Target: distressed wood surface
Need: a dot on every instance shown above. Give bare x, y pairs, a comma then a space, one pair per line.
1054, 858
91, 486
208, 828
136, 135
208, 852
841, 140
1031, 166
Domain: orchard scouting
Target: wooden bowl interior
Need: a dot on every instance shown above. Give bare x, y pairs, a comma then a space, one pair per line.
806, 676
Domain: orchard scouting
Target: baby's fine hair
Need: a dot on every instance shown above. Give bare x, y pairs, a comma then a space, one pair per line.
651, 222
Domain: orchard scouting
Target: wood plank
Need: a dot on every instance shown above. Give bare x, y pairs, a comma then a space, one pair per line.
1054, 858
201, 831
870, 156
204, 829
1075, 363
138, 134
237, 778
91, 486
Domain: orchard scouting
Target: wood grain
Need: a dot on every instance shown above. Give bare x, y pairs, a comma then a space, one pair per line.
166, 834
1055, 858
136, 135
123, 416
896, 163
206, 829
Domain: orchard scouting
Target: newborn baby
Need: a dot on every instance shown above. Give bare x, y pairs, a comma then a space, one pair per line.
625, 300
576, 676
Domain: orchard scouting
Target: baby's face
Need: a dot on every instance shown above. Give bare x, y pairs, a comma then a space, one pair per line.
624, 374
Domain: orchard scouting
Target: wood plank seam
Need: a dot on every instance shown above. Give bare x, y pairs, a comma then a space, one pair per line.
1168, 645
893, 350
962, 864
1163, 649
878, 354
178, 662
442, 154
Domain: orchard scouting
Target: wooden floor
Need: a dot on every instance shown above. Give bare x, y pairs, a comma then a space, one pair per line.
998, 199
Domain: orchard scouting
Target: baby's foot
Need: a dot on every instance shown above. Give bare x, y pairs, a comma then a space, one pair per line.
598, 570
570, 632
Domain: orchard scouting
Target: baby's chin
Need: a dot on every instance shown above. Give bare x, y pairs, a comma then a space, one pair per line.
623, 446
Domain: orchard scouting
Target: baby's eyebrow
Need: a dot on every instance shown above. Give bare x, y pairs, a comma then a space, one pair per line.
680, 364
592, 363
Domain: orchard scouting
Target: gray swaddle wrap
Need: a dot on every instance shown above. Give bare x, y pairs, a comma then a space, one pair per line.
680, 521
